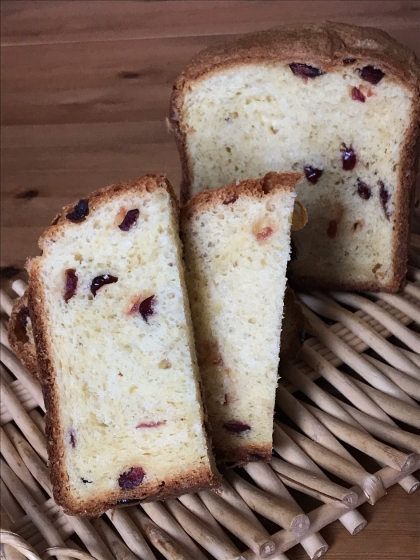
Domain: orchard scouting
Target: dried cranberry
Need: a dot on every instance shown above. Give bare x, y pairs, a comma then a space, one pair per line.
146, 307
357, 95
363, 190
348, 157
376, 268
151, 424
72, 438
304, 71
313, 174
236, 426
71, 284
349, 60
371, 74
100, 281
131, 478
384, 196
129, 220
332, 229
264, 233
230, 199
24, 316
79, 212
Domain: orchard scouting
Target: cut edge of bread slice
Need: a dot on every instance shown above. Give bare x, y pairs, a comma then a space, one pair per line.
329, 46
231, 447
196, 479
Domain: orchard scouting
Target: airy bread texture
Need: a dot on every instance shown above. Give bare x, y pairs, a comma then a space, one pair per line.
236, 247
338, 102
116, 352
21, 337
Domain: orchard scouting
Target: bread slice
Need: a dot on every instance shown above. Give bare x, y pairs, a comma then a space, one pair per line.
21, 337
115, 347
236, 247
337, 102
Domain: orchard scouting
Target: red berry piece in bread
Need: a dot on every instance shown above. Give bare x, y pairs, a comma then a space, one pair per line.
312, 174
304, 70
357, 95
70, 285
236, 426
371, 74
348, 157
129, 219
146, 308
363, 190
151, 424
79, 212
384, 197
72, 438
132, 478
100, 281
24, 316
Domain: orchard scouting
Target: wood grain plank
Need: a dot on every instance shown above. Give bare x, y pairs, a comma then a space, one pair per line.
93, 82
29, 22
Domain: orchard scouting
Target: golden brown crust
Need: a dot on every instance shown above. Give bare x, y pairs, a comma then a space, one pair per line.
256, 188
202, 478
20, 336
147, 184
326, 46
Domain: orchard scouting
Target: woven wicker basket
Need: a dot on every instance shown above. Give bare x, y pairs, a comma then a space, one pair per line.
223, 524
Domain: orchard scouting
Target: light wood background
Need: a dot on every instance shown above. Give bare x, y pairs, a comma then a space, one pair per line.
85, 92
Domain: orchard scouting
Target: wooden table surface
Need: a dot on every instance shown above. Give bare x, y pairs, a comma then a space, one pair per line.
85, 92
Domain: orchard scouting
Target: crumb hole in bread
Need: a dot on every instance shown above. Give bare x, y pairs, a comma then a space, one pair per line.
164, 364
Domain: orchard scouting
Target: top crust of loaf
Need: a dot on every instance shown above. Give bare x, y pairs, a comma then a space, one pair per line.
323, 45
256, 188
147, 184
198, 479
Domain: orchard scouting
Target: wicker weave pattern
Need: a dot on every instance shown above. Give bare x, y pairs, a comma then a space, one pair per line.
380, 392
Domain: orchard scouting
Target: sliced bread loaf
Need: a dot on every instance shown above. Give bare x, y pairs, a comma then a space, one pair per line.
21, 337
115, 348
337, 102
236, 247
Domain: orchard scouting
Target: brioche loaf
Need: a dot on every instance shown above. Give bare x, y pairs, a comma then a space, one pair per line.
115, 348
337, 102
21, 337
236, 247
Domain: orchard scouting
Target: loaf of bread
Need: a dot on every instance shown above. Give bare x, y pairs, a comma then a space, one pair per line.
115, 347
21, 337
236, 247
337, 102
